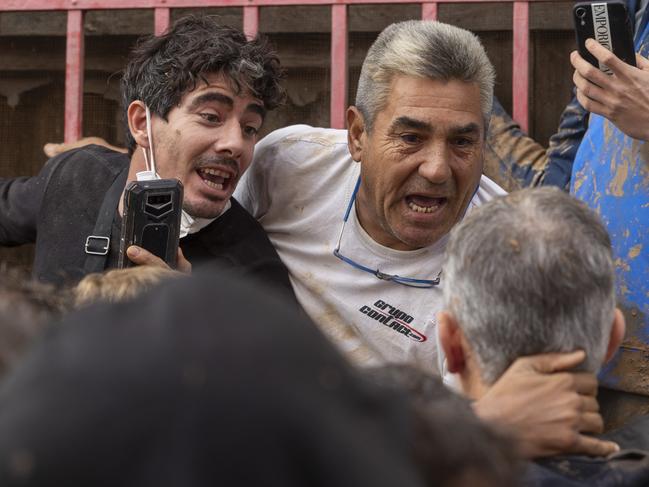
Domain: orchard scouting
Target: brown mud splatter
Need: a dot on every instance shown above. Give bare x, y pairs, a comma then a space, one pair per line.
622, 265
608, 131
580, 179
617, 408
632, 369
505, 149
616, 187
635, 251
515, 245
644, 156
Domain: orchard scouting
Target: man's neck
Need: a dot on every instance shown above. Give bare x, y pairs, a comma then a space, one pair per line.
471, 382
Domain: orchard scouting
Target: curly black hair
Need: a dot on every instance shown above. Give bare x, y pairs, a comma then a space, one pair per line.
161, 70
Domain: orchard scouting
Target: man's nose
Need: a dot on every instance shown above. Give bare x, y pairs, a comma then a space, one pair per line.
436, 165
229, 139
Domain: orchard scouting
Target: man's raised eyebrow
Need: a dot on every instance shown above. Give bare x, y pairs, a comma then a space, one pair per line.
211, 96
225, 100
410, 123
469, 128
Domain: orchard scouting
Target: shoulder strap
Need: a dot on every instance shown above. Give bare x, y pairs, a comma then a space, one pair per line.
97, 244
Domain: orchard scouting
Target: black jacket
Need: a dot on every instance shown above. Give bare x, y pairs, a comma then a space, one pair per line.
58, 209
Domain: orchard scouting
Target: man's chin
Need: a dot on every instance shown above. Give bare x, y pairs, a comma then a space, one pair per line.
418, 238
205, 210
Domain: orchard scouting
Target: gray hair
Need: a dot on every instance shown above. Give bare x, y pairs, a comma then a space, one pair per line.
529, 273
422, 49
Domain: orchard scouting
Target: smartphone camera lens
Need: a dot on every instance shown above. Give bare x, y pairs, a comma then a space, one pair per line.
581, 13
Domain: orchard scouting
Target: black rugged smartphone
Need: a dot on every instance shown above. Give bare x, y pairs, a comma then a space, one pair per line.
151, 220
607, 23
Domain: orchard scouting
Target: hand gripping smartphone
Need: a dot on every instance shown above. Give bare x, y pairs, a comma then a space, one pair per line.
607, 23
152, 210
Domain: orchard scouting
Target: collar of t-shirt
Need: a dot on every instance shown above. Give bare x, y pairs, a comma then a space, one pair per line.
358, 245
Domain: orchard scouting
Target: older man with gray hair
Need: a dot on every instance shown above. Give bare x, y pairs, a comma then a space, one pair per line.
361, 217
525, 274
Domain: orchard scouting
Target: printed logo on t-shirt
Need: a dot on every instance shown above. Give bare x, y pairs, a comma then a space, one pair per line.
393, 318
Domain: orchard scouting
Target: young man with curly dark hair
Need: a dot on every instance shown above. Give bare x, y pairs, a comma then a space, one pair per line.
195, 98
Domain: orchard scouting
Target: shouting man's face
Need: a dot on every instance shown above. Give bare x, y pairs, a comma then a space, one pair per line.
207, 143
421, 163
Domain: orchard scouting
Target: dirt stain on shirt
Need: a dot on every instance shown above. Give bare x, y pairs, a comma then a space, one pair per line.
616, 187
635, 251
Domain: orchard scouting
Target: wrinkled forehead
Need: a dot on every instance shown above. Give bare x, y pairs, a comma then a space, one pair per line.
453, 104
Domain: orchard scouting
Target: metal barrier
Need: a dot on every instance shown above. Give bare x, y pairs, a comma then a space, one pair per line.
74, 66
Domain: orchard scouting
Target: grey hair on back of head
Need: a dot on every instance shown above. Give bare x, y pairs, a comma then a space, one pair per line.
530, 273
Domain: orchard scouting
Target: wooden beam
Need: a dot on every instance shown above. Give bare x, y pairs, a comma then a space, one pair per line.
429, 11
520, 65
338, 66
250, 21
22, 5
74, 76
161, 19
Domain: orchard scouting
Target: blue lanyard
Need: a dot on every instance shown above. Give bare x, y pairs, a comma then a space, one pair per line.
406, 281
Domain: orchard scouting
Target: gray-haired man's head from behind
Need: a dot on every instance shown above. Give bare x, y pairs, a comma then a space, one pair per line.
528, 273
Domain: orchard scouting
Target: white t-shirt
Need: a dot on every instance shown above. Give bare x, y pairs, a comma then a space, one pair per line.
298, 187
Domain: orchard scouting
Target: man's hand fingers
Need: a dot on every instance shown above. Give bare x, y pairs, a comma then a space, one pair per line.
140, 256
588, 71
591, 423
584, 383
588, 89
593, 106
588, 445
183, 264
642, 62
52, 149
589, 404
606, 57
547, 363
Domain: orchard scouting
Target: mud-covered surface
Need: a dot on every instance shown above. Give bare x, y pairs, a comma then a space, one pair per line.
611, 175
629, 369
512, 159
618, 408
624, 391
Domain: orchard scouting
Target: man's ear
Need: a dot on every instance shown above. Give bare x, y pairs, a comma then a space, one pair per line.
451, 338
617, 334
355, 132
136, 116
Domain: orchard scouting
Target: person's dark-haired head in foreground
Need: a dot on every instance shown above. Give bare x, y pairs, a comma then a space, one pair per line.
166, 391
27, 307
452, 447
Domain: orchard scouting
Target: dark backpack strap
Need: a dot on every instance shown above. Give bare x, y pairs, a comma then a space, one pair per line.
97, 244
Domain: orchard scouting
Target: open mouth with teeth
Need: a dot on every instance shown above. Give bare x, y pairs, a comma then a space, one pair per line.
424, 204
214, 178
